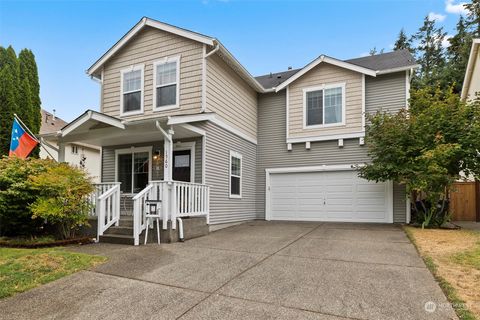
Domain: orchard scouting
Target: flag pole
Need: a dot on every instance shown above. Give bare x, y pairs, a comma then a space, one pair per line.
33, 136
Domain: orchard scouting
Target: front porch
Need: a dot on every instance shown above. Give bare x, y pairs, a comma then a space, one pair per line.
143, 160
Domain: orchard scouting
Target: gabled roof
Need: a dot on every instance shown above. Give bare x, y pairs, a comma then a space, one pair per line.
139, 26
381, 63
89, 118
470, 68
51, 123
387, 62
329, 60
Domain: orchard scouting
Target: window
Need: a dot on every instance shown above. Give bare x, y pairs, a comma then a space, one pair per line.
132, 90
324, 106
235, 175
74, 149
166, 79
133, 169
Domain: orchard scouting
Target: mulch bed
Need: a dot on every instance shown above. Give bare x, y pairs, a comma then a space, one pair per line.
85, 240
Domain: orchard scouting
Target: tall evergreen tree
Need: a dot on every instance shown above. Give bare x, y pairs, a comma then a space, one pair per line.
458, 53
473, 16
429, 53
8, 106
403, 42
29, 71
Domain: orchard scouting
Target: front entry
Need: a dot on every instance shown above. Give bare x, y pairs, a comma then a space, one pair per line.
182, 161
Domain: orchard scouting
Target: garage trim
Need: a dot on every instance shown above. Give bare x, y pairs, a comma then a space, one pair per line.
269, 171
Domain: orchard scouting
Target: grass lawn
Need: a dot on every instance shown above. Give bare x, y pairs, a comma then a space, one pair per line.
453, 256
24, 269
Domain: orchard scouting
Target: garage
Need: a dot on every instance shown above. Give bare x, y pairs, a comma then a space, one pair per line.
326, 194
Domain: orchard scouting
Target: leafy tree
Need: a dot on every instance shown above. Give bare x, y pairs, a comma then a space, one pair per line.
29, 71
458, 53
425, 148
63, 197
403, 42
8, 106
429, 53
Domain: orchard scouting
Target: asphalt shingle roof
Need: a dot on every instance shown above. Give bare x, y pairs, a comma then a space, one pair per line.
50, 123
378, 62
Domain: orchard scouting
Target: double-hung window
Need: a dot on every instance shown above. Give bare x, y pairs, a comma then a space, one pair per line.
235, 175
166, 83
132, 90
325, 105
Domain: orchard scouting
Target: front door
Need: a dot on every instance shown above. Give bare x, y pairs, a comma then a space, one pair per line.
182, 165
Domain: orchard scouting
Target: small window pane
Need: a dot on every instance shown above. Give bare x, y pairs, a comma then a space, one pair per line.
140, 173
236, 166
333, 105
125, 172
314, 107
235, 185
132, 80
131, 101
167, 73
167, 96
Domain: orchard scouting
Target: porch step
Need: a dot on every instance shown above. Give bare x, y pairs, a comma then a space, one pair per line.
117, 239
125, 230
126, 221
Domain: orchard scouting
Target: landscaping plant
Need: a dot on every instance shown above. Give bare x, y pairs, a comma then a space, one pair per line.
426, 148
63, 198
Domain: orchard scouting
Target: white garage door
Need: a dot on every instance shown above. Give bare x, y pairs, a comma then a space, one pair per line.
328, 196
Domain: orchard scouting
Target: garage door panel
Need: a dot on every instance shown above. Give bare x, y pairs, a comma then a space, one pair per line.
327, 196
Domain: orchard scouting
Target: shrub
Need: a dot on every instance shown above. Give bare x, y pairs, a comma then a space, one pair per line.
62, 201
17, 194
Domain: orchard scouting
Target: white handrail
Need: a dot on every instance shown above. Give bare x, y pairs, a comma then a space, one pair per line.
108, 209
178, 199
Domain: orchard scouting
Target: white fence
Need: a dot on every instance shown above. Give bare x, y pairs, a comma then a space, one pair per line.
179, 199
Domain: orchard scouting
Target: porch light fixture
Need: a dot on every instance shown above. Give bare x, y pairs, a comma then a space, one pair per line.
157, 155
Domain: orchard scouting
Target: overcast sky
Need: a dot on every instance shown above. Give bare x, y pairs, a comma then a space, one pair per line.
265, 36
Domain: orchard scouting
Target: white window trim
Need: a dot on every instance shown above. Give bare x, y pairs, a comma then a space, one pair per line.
187, 146
133, 150
155, 86
239, 156
323, 87
140, 67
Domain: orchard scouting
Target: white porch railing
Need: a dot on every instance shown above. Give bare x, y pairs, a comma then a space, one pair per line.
105, 202
179, 199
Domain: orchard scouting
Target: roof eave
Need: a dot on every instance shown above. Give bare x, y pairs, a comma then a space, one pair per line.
133, 31
399, 69
469, 70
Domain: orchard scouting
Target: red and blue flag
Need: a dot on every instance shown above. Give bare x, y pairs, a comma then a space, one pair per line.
21, 143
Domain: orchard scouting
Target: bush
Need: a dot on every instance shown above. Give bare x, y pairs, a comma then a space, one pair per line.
63, 198
17, 194
40, 193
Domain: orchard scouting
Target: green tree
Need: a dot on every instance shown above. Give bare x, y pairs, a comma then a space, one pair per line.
429, 53
403, 42
458, 53
29, 71
473, 16
8, 106
374, 51
425, 148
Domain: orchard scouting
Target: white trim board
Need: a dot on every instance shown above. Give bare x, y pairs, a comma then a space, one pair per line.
234, 154
324, 168
327, 137
91, 115
139, 26
329, 60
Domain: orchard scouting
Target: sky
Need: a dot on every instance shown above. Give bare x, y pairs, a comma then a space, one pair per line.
67, 37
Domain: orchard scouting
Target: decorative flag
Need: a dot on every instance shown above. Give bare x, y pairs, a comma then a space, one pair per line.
22, 143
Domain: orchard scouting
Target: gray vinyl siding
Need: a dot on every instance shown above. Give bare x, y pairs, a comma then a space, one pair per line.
219, 143
108, 159
385, 93
272, 151
399, 203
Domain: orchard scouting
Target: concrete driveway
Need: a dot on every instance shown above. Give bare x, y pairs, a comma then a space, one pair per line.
256, 270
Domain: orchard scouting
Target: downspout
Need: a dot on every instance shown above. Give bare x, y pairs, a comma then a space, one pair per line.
204, 74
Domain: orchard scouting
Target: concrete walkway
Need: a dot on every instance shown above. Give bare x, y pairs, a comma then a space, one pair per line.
256, 270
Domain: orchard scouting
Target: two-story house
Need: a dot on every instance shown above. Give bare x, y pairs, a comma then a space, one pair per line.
183, 121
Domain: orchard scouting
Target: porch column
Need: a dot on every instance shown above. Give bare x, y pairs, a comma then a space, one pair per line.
61, 152
167, 158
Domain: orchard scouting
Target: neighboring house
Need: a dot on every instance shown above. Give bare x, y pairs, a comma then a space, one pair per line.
471, 82
279, 147
77, 154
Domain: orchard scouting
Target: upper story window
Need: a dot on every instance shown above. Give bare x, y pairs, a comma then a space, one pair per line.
235, 175
324, 106
132, 90
166, 83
